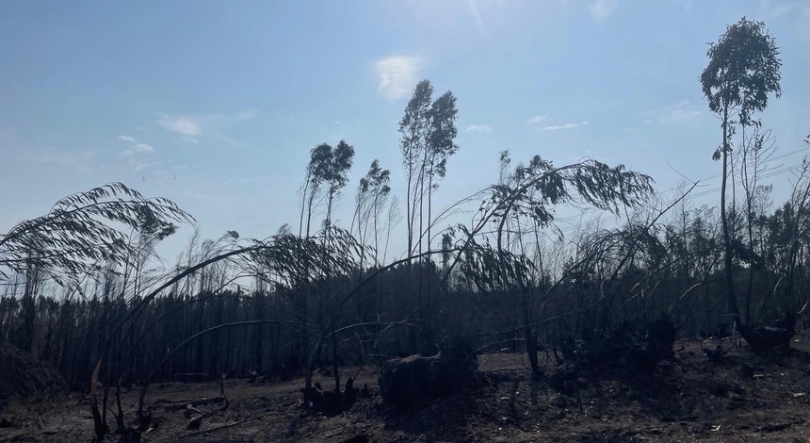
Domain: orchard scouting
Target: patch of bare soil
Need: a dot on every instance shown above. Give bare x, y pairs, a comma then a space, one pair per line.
740, 397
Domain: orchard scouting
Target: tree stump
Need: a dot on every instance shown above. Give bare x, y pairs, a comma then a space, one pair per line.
414, 381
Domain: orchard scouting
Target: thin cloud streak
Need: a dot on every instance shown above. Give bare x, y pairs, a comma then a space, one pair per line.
538, 119
137, 149
479, 128
183, 125
565, 126
190, 127
476, 14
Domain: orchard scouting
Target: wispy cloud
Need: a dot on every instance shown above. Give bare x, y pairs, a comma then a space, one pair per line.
397, 76
476, 14
479, 128
564, 126
137, 149
127, 138
679, 113
601, 9
538, 119
190, 127
181, 124
244, 181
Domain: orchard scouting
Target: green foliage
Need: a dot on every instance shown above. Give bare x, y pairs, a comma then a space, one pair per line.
376, 180
442, 133
78, 233
743, 70
327, 166
294, 261
490, 271
533, 190
372, 195
330, 166
427, 134
414, 126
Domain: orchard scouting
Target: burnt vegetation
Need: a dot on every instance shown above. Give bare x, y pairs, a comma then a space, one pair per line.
87, 306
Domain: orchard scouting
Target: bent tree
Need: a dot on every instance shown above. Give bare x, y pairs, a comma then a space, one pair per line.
372, 195
743, 71
79, 236
528, 194
79, 232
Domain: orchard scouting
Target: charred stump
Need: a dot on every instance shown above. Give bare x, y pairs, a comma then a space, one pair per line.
626, 346
414, 381
330, 402
769, 338
660, 339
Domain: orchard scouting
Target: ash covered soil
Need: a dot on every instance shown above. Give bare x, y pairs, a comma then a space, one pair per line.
744, 397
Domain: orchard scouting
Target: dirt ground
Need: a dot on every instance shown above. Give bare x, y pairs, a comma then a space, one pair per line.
745, 397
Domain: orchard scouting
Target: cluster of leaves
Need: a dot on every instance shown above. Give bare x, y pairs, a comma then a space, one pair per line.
490, 271
534, 189
743, 71
79, 233
294, 261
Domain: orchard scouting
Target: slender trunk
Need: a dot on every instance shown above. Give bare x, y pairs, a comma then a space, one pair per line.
335, 368
376, 233
524, 291
421, 308
528, 332
732, 299
421, 263
331, 199
388, 228
750, 285
119, 416
259, 331
306, 358
309, 214
429, 221
409, 220
411, 194
750, 186
303, 206
29, 306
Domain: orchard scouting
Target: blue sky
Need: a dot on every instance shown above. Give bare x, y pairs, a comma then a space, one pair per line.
216, 104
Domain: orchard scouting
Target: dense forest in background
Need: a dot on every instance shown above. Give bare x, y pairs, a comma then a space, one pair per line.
83, 289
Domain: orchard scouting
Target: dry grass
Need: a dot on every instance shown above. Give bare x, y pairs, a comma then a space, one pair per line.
25, 376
